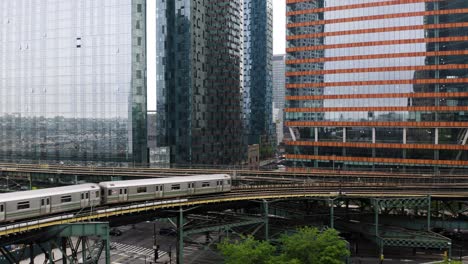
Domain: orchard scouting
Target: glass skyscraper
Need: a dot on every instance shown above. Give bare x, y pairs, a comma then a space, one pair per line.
377, 84
73, 81
279, 69
258, 83
199, 80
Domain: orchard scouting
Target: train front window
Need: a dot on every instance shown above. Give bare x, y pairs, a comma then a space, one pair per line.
23, 205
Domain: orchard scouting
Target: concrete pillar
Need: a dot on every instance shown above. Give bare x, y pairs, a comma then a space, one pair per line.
404, 135
373, 135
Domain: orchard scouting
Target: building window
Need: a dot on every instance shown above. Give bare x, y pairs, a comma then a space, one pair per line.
138, 74
23, 205
138, 24
65, 199
141, 189
139, 8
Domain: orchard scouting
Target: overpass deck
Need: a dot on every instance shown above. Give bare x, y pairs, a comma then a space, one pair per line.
234, 196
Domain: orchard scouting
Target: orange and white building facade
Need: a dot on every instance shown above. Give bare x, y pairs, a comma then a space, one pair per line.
377, 84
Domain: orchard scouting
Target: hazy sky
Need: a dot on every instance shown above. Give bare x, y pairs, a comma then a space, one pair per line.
279, 9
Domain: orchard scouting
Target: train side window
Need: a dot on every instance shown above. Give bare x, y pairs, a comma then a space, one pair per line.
175, 187
205, 184
1, 208
42, 202
23, 205
121, 191
65, 199
141, 189
82, 196
87, 195
229, 182
109, 192
97, 194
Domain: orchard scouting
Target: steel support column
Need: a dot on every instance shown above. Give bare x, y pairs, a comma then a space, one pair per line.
429, 213
83, 250
331, 203
180, 237
266, 220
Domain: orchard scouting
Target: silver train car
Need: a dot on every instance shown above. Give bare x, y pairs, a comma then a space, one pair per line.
28, 204
148, 189
36, 203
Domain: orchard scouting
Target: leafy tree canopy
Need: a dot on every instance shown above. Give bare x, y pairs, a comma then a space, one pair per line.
307, 246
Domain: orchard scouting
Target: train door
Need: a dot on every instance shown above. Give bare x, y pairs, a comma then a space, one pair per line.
191, 188
219, 185
45, 205
159, 191
84, 199
123, 194
2, 211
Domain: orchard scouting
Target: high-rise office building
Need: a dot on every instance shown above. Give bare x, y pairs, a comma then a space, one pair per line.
199, 80
258, 83
377, 84
72, 81
279, 69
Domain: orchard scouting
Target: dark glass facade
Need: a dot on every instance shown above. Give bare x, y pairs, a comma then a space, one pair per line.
199, 70
73, 81
377, 84
258, 82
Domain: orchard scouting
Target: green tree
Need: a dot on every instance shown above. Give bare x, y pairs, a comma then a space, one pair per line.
307, 246
247, 251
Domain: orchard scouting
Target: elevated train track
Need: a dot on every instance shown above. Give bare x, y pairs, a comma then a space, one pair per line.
250, 175
239, 194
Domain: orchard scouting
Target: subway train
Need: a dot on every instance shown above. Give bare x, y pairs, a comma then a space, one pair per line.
30, 204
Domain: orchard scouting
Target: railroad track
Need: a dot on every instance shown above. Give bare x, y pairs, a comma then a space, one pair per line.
242, 194
243, 175
161, 172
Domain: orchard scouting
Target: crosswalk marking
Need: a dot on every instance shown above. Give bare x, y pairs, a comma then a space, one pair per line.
136, 250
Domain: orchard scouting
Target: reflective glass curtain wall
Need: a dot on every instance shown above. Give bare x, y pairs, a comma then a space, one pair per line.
279, 69
73, 81
199, 72
258, 83
377, 84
